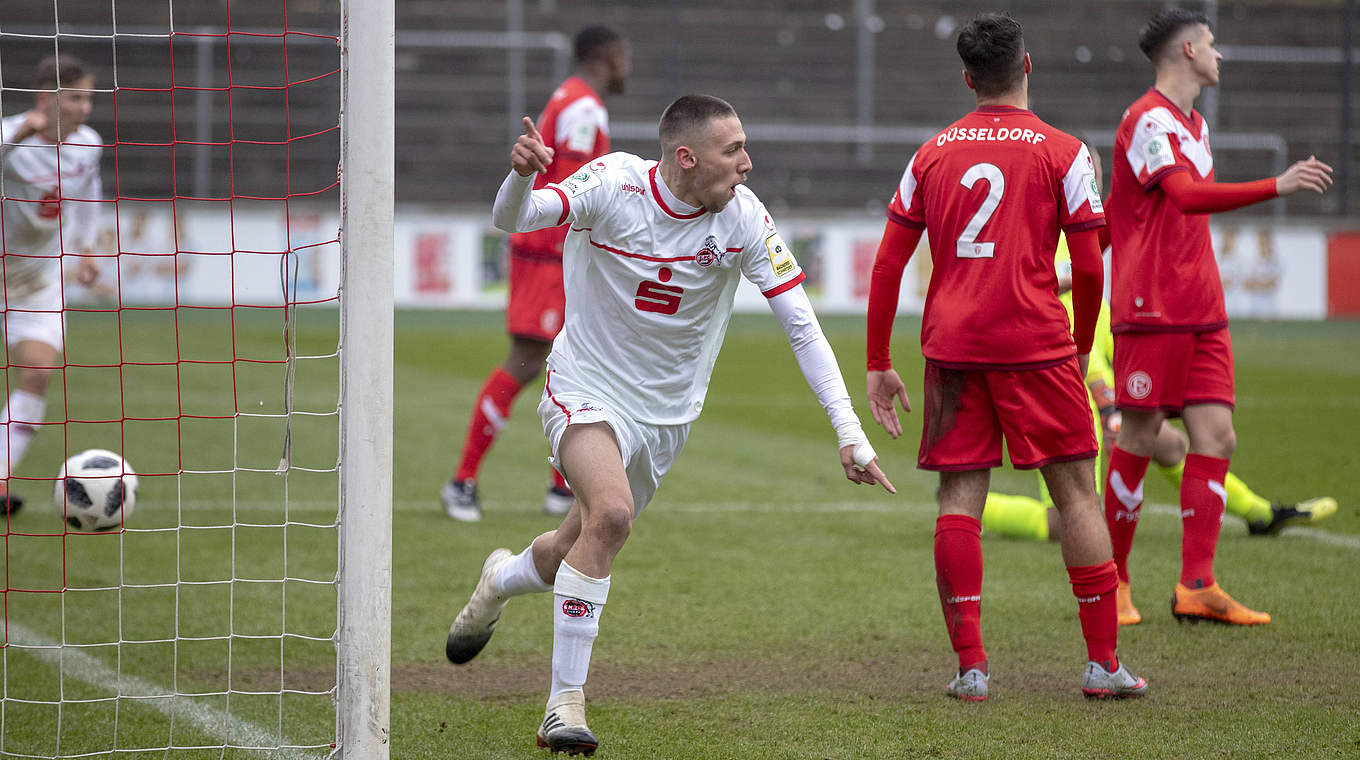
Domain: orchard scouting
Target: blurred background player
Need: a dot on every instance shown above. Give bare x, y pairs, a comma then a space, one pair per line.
1172, 350
993, 190
651, 279
50, 160
576, 128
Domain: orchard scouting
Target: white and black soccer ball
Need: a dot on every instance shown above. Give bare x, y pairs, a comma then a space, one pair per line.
95, 490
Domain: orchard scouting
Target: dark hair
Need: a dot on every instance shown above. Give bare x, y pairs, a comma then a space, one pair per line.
992, 47
1165, 26
680, 118
58, 71
591, 42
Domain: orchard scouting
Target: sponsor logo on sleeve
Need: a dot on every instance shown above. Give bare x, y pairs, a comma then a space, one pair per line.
1093, 192
582, 136
781, 258
769, 223
1157, 153
581, 182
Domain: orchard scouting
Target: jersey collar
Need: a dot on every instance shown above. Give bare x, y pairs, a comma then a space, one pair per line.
1002, 109
1188, 121
667, 200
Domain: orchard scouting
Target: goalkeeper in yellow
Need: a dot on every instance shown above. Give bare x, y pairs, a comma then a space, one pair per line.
1027, 517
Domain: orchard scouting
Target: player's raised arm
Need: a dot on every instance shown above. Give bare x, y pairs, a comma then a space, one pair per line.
823, 375
520, 208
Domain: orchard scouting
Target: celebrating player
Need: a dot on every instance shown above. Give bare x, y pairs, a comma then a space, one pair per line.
651, 266
1172, 352
576, 127
993, 191
50, 160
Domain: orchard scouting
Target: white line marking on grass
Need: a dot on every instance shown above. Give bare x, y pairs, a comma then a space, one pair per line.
1312, 534
75, 662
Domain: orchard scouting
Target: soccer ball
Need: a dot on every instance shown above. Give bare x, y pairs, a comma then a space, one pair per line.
95, 490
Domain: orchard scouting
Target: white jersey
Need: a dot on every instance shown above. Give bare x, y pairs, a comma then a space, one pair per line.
650, 283
42, 204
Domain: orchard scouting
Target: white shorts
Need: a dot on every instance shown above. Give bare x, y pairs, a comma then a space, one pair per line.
35, 315
648, 450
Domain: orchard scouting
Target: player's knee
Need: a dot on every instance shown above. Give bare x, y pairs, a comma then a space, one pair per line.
1171, 447
611, 520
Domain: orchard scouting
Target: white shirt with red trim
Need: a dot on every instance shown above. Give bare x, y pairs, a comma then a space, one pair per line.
50, 192
650, 283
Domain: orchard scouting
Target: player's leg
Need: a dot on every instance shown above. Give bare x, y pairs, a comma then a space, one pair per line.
1263, 517
490, 414
506, 575
533, 316
1016, 516
960, 438
1091, 571
1208, 422
958, 576
1203, 495
32, 364
590, 455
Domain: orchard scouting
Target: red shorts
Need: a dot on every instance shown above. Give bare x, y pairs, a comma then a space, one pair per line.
1169, 371
1043, 413
537, 303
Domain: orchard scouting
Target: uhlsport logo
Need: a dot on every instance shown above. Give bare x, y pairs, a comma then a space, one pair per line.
1139, 384
577, 608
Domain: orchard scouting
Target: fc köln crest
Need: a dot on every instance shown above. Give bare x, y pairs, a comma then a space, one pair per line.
710, 254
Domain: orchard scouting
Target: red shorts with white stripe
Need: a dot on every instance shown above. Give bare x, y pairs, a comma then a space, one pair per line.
1043, 415
1169, 371
537, 302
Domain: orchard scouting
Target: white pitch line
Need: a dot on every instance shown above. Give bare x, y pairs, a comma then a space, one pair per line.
73, 661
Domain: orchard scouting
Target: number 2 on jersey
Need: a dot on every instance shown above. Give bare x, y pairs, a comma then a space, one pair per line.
968, 246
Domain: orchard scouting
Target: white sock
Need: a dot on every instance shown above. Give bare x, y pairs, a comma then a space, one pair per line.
519, 576
578, 602
19, 418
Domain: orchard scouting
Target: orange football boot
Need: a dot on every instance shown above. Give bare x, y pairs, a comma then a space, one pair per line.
1213, 604
1128, 614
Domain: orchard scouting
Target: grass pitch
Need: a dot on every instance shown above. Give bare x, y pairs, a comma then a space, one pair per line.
763, 607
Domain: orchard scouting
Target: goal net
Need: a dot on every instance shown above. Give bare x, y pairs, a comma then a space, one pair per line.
238, 603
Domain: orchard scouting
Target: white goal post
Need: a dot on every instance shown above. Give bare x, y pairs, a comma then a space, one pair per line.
367, 125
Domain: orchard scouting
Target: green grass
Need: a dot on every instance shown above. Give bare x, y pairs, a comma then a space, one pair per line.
763, 607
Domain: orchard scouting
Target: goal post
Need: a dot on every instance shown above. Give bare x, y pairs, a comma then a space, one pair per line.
367, 127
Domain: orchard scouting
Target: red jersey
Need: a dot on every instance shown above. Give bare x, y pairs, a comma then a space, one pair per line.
1162, 270
576, 126
992, 192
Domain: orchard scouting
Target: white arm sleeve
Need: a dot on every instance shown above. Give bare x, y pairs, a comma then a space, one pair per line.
521, 208
820, 369
88, 214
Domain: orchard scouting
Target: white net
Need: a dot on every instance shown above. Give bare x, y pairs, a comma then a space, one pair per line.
207, 353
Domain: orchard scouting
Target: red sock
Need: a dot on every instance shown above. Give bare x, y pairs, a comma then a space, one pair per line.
1202, 500
488, 417
1123, 504
558, 481
1094, 586
958, 573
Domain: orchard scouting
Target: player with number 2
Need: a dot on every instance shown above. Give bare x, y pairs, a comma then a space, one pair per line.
993, 191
